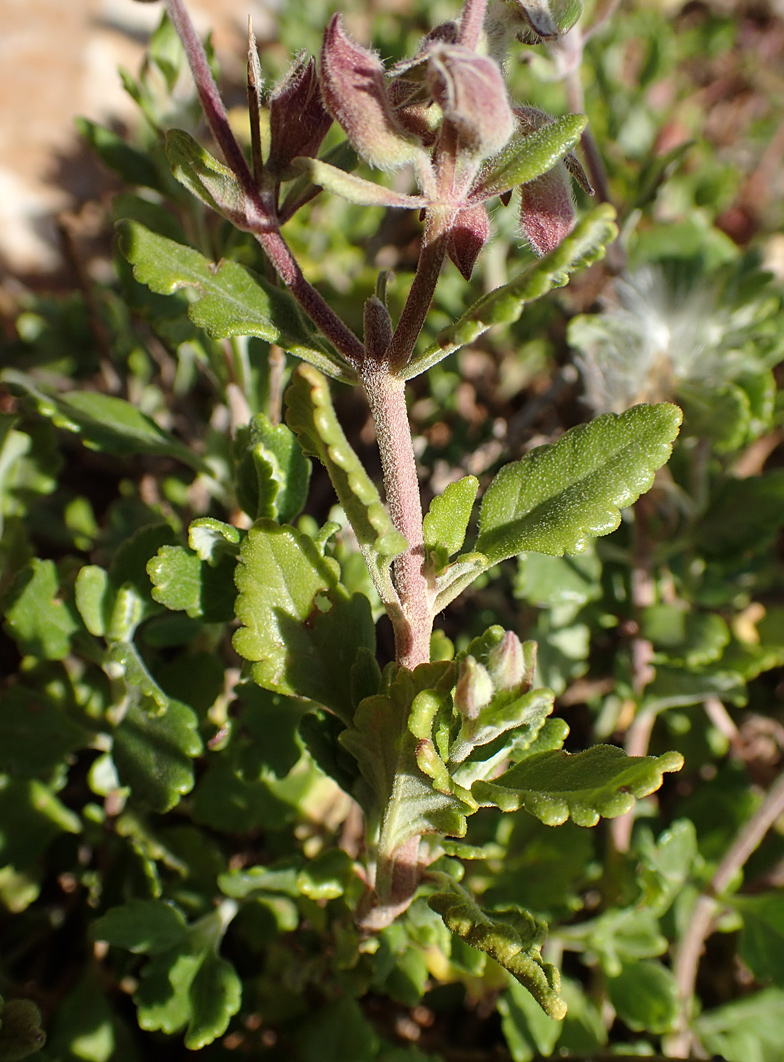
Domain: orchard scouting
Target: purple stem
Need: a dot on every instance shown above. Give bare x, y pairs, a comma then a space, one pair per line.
262, 221
387, 400
471, 22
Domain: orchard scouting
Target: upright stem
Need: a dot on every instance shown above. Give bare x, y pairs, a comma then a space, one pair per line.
420, 295
386, 397
471, 22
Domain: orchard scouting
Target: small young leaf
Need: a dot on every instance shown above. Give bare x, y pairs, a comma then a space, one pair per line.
311, 415
586, 244
272, 474
600, 782
94, 598
527, 157
212, 539
762, 936
447, 519
231, 300
141, 926
391, 737
355, 189
645, 996
31, 816
35, 616
209, 180
153, 753
134, 167
558, 494
301, 629
182, 581
455, 577
215, 995
513, 937
189, 986
124, 660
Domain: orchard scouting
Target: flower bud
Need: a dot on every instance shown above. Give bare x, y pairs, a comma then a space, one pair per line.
298, 119
469, 233
471, 92
534, 21
354, 92
547, 212
509, 665
474, 688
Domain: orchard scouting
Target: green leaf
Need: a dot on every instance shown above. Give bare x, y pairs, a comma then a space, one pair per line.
153, 753
228, 800
548, 582
762, 936
683, 636
620, 935
182, 581
311, 415
104, 422
215, 995
189, 986
519, 719
31, 817
36, 617
675, 687
645, 996
355, 189
721, 414
124, 660
748, 1030
36, 733
21, 1034
667, 864
600, 782
320, 732
302, 631
726, 530
209, 180
212, 539
558, 494
230, 300
446, 522
148, 927
586, 244
527, 157
272, 473
324, 877
94, 598
456, 577
528, 1030
513, 937
134, 167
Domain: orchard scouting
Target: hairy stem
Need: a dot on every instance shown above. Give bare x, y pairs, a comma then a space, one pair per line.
420, 295
687, 956
386, 397
471, 22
